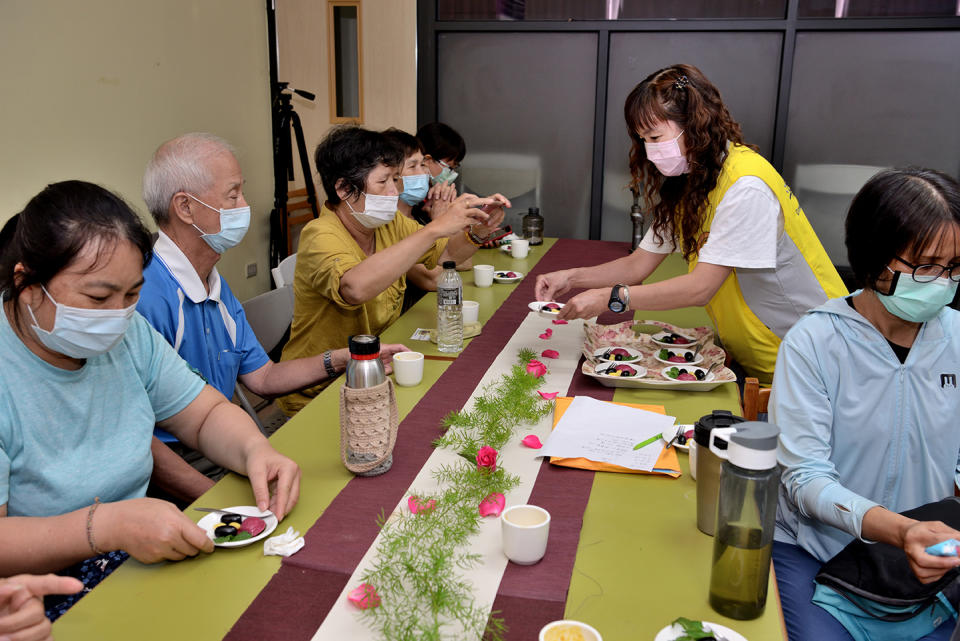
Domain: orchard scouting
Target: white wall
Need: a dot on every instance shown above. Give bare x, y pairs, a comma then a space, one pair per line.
92, 87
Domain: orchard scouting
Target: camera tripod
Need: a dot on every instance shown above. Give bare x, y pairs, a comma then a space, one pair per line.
286, 118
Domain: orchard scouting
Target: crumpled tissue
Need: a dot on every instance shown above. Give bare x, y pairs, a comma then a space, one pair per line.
286, 544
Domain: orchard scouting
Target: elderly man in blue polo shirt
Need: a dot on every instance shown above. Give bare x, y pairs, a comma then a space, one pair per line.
193, 187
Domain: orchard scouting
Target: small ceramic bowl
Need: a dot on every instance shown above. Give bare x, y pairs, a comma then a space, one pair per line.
609, 354
554, 630
659, 337
674, 352
690, 369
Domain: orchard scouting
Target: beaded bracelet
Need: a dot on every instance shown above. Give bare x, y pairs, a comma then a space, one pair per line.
90, 540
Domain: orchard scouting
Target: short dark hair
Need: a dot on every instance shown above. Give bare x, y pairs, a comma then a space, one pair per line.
897, 211
441, 141
349, 154
406, 143
56, 225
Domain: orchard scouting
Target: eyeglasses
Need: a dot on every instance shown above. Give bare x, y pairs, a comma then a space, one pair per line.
931, 272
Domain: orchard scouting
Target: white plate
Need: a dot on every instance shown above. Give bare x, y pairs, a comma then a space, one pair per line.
690, 370
640, 369
684, 447
536, 306
670, 633
659, 335
209, 523
680, 352
505, 248
598, 354
506, 279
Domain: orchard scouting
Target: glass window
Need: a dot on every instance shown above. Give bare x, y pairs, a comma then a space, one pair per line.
524, 104
606, 9
876, 8
745, 67
861, 102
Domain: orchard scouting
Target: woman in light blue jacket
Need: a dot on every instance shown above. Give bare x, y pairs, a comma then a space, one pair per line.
867, 397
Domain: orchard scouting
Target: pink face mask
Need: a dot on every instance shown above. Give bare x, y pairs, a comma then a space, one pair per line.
667, 156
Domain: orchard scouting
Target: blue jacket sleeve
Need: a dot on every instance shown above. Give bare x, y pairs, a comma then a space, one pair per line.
803, 409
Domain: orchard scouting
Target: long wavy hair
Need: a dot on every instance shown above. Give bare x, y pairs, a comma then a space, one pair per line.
680, 93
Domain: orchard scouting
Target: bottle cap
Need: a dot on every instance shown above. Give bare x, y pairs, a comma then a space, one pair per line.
449, 264
364, 345
706, 424
534, 211
754, 446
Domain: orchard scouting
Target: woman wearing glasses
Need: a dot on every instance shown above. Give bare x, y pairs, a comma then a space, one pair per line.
866, 394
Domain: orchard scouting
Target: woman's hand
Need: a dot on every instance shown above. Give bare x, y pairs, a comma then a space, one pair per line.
22, 614
917, 538
551, 285
495, 209
588, 304
149, 530
442, 192
275, 479
462, 212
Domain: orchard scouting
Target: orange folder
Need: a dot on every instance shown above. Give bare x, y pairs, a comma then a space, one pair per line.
667, 464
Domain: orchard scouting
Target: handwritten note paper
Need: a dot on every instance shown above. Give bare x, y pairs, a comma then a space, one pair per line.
607, 433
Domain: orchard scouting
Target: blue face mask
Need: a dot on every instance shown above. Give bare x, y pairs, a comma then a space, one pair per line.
917, 302
446, 176
415, 188
233, 227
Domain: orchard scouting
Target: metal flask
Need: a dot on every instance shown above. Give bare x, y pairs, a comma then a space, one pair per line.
365, 368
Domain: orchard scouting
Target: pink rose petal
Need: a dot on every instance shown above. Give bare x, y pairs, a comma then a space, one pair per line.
536, 368
493, 505
532, 441
364, 596
550, 353
547, 396
418, 507
548, 332
559, 321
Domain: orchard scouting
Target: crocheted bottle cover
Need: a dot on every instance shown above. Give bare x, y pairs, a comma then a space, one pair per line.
368, 428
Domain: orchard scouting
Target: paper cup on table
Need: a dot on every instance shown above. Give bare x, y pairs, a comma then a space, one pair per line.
408, 368
519, 248
471, 311
556, 630
525, 531
483, 275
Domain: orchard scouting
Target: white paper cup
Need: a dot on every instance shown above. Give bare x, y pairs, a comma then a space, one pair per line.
471, 311
588, 631
519, 248
525, 530
408, 368
483, 275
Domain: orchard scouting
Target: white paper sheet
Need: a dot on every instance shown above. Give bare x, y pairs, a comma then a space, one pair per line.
344, 620
607, 433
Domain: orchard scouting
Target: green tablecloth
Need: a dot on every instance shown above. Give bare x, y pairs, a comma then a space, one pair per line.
641, 561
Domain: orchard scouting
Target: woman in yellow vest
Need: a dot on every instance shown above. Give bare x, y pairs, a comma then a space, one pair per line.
754, 260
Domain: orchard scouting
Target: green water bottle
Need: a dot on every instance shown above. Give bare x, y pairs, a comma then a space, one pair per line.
746, 515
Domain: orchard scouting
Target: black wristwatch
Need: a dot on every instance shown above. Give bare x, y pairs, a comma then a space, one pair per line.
619, 298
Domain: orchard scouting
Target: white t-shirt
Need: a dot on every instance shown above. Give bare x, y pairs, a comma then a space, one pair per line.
744, 232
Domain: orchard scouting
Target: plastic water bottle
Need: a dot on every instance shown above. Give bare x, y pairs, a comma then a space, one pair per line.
450, 309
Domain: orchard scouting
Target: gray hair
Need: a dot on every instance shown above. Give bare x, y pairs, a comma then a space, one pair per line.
180, 165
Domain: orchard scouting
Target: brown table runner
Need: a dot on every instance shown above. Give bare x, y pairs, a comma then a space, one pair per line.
297, 599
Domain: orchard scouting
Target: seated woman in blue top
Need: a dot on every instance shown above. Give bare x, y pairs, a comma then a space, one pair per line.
84, 379
862, 394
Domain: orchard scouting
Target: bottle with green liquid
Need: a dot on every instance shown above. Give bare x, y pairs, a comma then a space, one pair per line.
746, 515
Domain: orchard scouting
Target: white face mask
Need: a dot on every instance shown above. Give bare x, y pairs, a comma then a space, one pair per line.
233, 227
378, 210
81, 333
